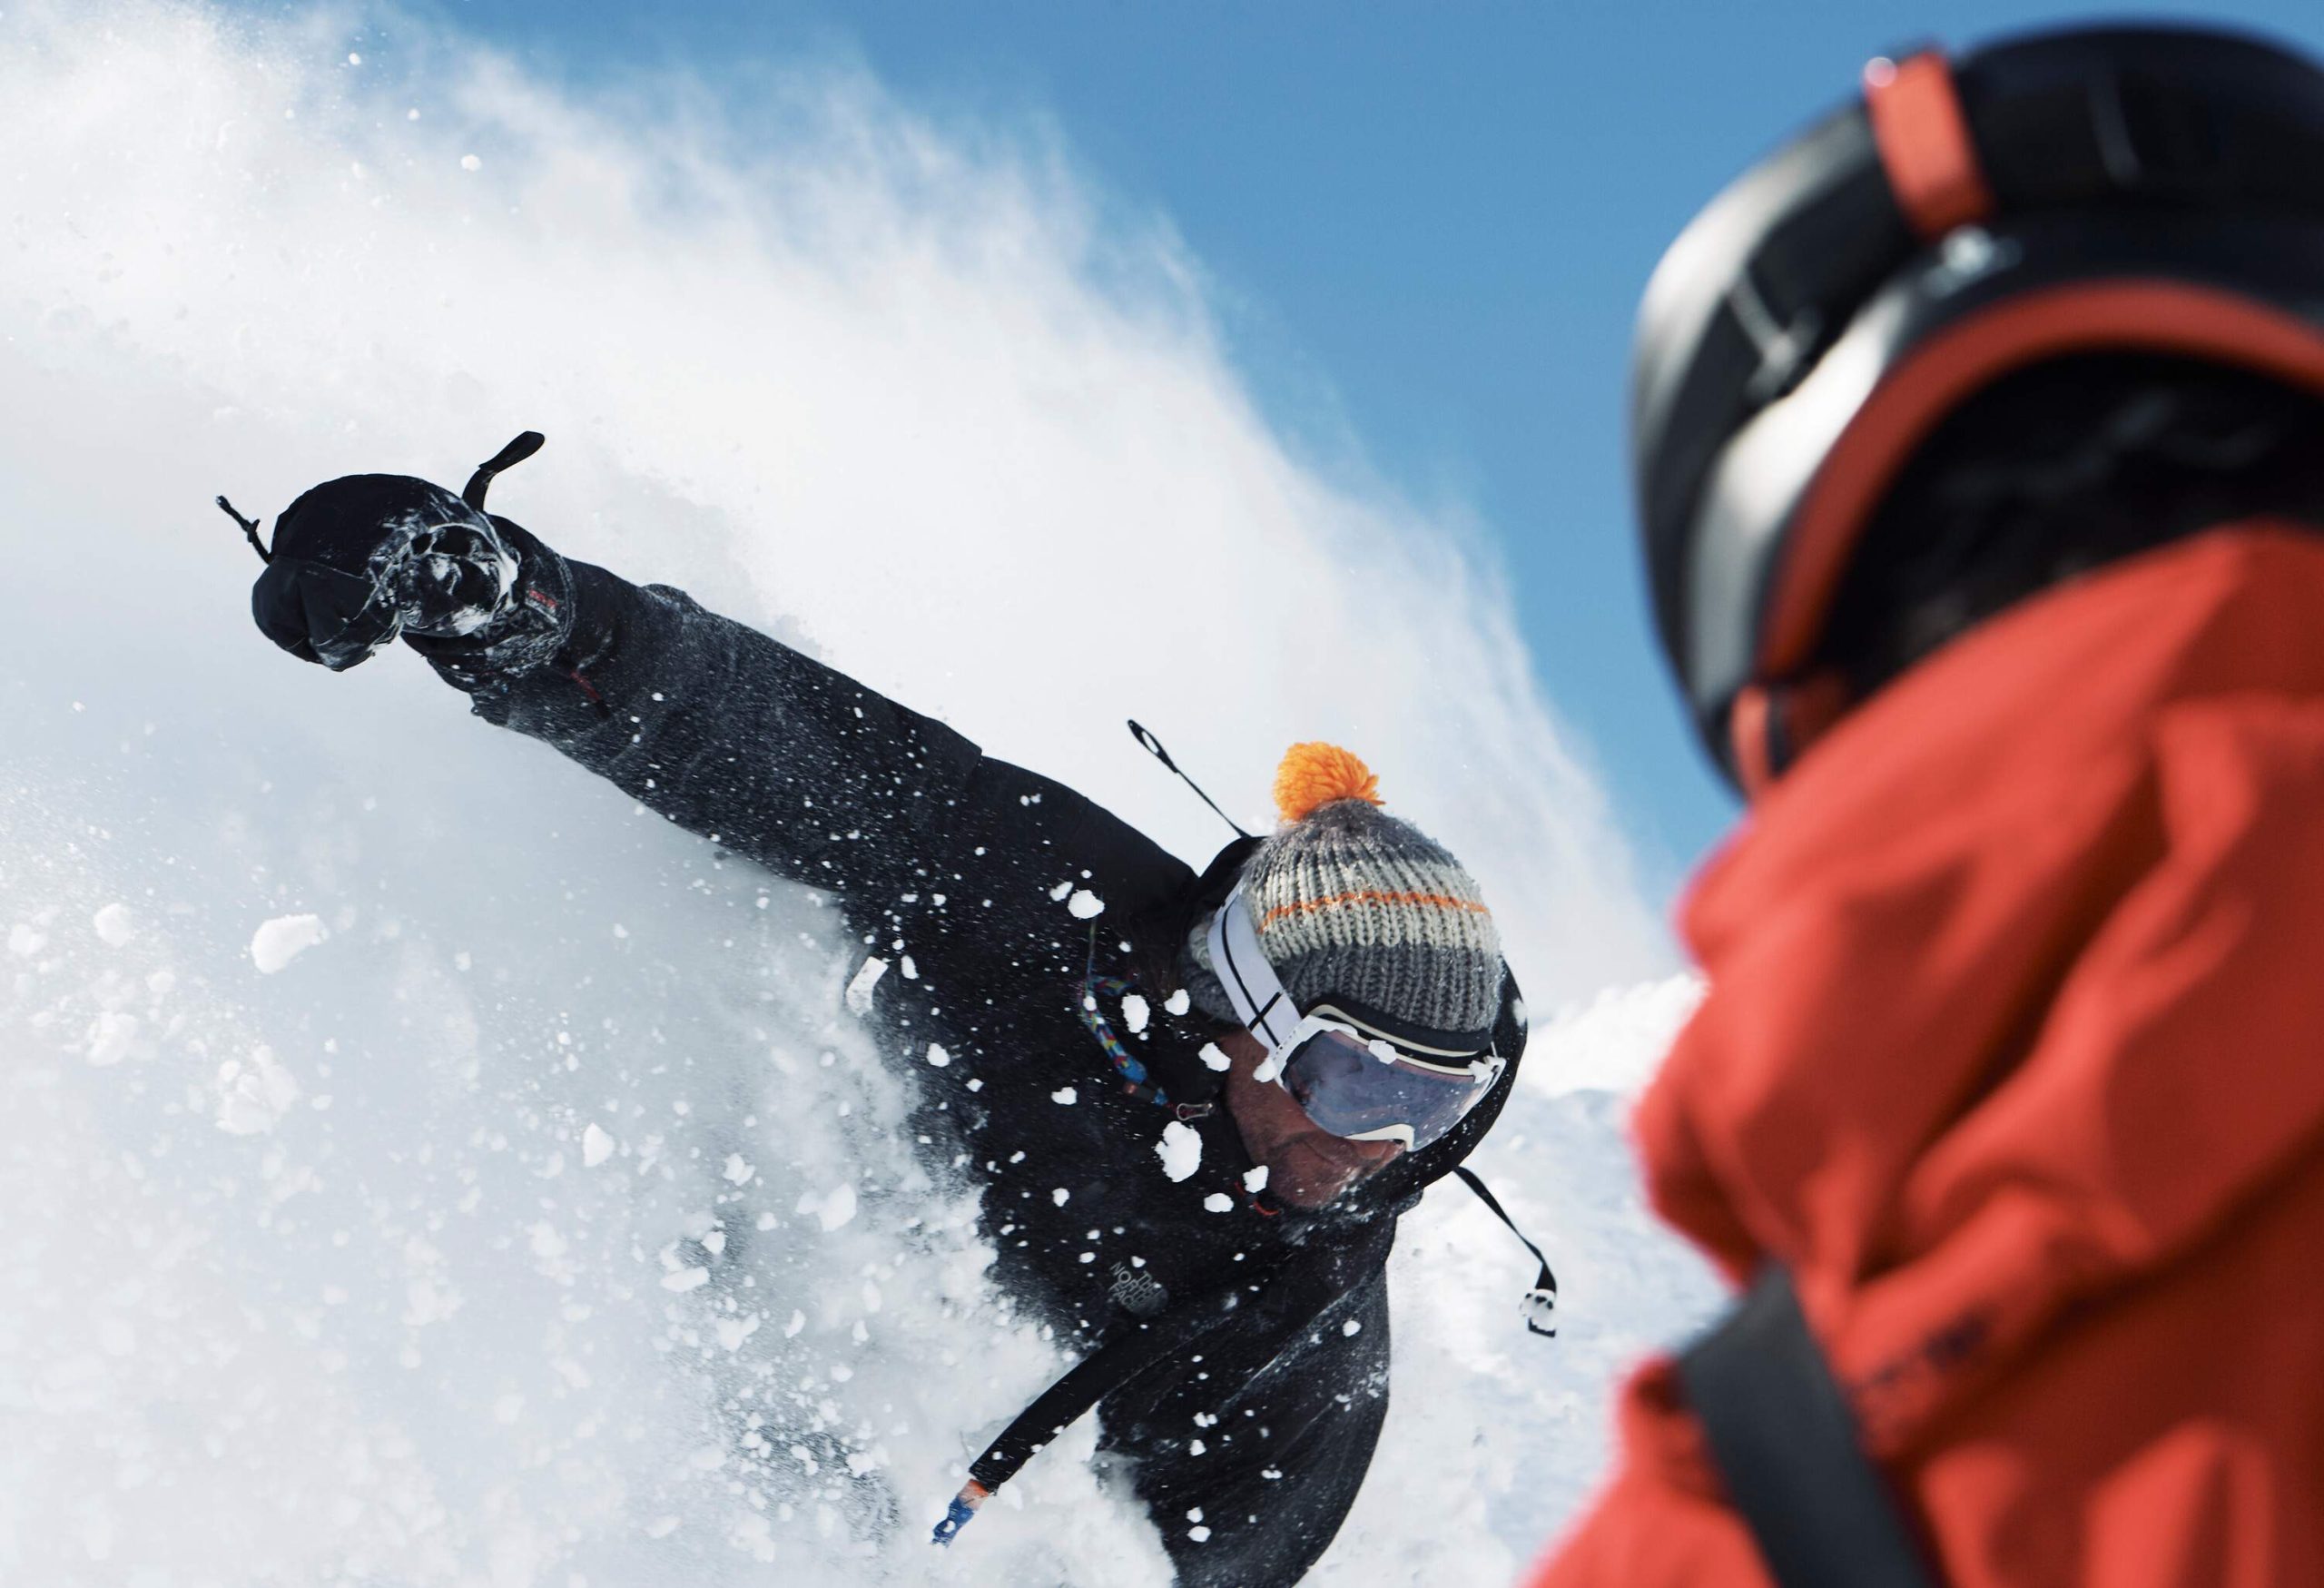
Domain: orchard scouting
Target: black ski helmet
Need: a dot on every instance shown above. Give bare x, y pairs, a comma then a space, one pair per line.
2149, 189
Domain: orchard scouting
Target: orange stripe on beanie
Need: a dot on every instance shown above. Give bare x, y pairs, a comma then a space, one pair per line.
1315, 773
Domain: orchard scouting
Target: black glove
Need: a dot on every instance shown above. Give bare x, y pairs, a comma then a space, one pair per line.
359, 560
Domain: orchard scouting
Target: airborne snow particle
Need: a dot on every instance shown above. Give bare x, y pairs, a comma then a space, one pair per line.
686, 1279
867, 977
1199, 1532
1085, 905
833, 1210
252, 1098
1180, 1149
1178, 1002
279, 942
1218, 1203
115, 926
595, 1146
1061, 1196
1351, 1328
1255, 1180
111, 1036
1065, 1094
1216, 1058
738, 1168
1134, 1012
470, 162
938, 1056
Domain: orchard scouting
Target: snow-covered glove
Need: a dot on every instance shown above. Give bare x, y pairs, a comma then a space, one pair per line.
359, 560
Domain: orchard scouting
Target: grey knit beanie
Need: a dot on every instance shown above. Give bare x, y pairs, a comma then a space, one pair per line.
1352, 901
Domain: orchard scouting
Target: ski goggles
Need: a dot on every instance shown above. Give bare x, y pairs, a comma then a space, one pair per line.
1347, 1071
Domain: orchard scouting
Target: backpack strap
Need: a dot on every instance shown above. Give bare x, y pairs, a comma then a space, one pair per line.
1785, 1441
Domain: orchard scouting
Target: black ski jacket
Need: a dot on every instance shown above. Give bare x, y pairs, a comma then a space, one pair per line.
1264, 1422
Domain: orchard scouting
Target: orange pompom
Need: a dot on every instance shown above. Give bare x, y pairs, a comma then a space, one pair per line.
1316, 774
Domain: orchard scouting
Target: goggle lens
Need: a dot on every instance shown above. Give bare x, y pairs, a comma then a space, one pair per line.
1340, 1080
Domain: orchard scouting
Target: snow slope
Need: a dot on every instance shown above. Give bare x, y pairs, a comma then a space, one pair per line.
418, 1166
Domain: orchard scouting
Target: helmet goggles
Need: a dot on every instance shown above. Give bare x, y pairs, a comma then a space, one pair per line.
1349, 1071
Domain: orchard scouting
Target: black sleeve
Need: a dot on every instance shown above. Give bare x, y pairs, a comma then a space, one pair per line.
739, 737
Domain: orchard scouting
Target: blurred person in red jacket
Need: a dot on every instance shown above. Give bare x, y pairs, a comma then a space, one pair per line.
1980, 446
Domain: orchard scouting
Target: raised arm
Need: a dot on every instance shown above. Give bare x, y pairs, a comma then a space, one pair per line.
731, 734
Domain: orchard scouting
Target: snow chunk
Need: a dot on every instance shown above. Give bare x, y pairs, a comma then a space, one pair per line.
938, 1056
252, 1098
595, 1146
1085, 905
1061, 1196
738, 1169
1199, 1532
1066, 1095
867, 977
1218, 1203
1215, 1058
1136, 1012
1060, 890
686, 1279
831, 1211
1178, 1002
24, 941
1255, 1180
115, 926
279, 942
1351, 1328
111, 1035
1180, 1149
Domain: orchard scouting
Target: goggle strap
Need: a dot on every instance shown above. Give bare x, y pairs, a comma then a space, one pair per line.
1540, 1302
1252, 987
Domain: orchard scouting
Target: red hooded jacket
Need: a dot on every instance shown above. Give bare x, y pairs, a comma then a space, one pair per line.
2015, 1053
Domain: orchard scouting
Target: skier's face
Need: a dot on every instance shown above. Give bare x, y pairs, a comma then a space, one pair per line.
1307, 1165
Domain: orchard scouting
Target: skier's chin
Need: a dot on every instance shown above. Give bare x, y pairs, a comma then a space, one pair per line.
1312, 1171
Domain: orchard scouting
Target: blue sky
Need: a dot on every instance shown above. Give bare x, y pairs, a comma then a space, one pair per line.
1427, 228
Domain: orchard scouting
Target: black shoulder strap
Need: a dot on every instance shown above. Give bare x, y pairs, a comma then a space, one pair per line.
1785, 1441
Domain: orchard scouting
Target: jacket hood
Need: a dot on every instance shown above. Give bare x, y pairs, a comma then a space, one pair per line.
2013, 988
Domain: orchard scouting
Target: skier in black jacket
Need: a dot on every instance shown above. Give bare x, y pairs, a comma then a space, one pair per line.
1210, 1217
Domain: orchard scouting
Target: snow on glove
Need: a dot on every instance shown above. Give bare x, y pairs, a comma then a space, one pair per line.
361, 559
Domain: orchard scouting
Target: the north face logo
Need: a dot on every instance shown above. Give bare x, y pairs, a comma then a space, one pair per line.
1137, 1292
